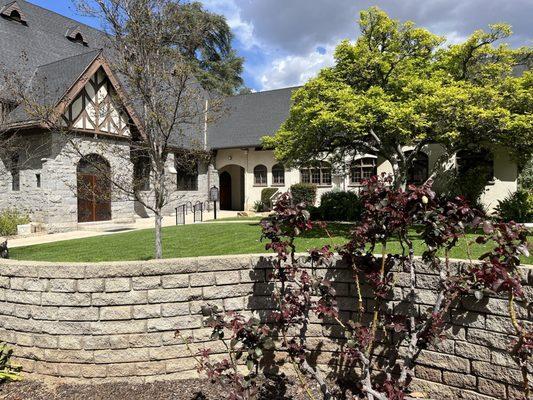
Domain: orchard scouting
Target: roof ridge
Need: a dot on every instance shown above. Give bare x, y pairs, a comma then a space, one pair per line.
7, 5
68, 58
63, 16
268, 91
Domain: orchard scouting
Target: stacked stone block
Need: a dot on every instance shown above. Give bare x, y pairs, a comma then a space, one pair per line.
115, 321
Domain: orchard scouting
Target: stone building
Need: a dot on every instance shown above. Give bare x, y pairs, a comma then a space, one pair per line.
49, 179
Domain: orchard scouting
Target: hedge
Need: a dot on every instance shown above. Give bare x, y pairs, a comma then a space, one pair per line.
304, 193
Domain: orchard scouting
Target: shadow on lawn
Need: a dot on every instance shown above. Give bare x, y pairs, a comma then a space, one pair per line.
334, 229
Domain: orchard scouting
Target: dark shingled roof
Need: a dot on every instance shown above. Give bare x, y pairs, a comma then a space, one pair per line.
52, 63
249, 117
42, 41
50, 82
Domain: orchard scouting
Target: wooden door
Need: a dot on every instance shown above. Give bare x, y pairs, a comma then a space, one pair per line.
225, 191
94, 198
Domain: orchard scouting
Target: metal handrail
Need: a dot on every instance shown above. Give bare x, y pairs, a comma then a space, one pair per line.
181, 211
199, 208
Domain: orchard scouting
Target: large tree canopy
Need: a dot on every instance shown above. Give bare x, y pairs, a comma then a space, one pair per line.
398, 85
171, 56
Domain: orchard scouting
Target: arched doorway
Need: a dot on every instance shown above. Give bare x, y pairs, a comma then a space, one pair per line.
94, 189
418, 172
225, 191
231, 187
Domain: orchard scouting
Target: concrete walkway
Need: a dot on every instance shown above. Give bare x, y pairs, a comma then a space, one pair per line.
109, 228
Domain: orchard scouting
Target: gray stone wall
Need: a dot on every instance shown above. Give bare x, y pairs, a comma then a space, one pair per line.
32, 150
110, 321
55, 157
207, 177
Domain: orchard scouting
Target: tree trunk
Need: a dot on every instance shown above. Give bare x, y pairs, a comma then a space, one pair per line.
158, 253
399, 172
160, 194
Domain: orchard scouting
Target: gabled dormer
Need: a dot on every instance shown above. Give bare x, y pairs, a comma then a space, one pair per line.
13, 12
75, 35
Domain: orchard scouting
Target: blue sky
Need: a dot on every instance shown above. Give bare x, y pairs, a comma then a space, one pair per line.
285, 42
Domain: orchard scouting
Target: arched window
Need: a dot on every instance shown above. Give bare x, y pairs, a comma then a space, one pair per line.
318, 175
79, 38
75, 35
418, 172
260, 175
278, 175
363, 169
478, 161
13, 12
15, 16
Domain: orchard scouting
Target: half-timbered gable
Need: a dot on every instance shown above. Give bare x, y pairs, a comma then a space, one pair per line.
97, 108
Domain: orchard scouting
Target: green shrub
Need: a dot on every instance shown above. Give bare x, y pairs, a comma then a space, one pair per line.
471, 185
258, 206
516, 207
8, 371
9, 219
304, 193
340, 206
525, 179
266, 194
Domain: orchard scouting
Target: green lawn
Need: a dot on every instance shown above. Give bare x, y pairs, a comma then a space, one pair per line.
193, 241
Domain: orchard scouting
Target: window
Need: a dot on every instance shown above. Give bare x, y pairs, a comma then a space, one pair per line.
278, 175
418, 172
187, 174
141, 173
38, 180
15, 173
15, 16
13, 12
260, 175
362, 169
477, 161
74, 35
319, 175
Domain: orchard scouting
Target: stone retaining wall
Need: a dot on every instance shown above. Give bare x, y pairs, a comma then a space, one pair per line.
110, 321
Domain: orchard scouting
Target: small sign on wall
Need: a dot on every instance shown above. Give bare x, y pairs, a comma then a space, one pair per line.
214, 194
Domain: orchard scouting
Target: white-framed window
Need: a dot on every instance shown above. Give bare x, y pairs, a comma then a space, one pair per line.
362, 169
278, 175
260, 175
317, 175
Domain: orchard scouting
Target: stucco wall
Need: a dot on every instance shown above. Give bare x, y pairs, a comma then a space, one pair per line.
110, 321
249, 159
505, 173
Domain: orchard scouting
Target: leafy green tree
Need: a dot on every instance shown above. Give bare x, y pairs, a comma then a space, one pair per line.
525, 179
397, 85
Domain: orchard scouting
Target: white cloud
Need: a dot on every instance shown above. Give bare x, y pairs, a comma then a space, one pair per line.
294, 70
243, 30
279, 38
